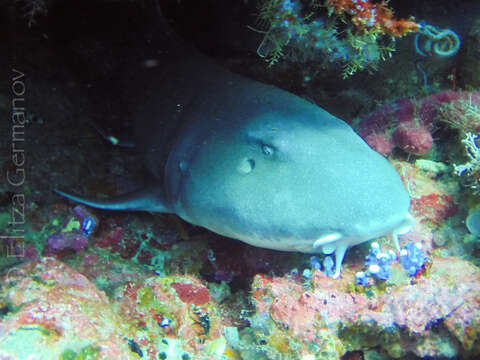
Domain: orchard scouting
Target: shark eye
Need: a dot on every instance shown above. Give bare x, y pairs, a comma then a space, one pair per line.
267, 150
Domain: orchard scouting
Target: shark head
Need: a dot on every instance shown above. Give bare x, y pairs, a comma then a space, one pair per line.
266, 167
297, 179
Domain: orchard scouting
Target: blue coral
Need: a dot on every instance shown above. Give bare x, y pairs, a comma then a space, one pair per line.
378, 265
88, 224
412, 258
362, 278
315, 263
86, 219
328, 266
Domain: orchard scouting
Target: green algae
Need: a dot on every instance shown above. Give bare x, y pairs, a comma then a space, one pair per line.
73, 224
146, 297
89, 352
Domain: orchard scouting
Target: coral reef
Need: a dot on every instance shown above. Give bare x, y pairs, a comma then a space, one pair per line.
407, 123
306, 34
57, 312
472, 167
368, 16
172, 314
87, 284
303, 314
412, 258
331, 317
461, 112
49, 302
74, 234
378, 263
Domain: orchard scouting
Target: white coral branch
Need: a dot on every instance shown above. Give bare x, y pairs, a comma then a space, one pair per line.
473, 153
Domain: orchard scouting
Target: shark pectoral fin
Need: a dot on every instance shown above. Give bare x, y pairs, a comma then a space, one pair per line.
111, 138
149, 199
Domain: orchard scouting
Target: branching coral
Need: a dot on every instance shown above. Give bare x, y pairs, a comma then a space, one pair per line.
357, 34
471, 168
473, 153
462, 114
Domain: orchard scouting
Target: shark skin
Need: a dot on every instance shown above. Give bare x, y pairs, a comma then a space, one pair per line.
255, 163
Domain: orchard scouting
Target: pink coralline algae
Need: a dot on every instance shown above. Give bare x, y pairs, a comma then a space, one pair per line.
407, 123
112, 239
434, 207
57, 311
405, 315
177, 307
192, 293
431, 201
75, 232
412, 138
73, 240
